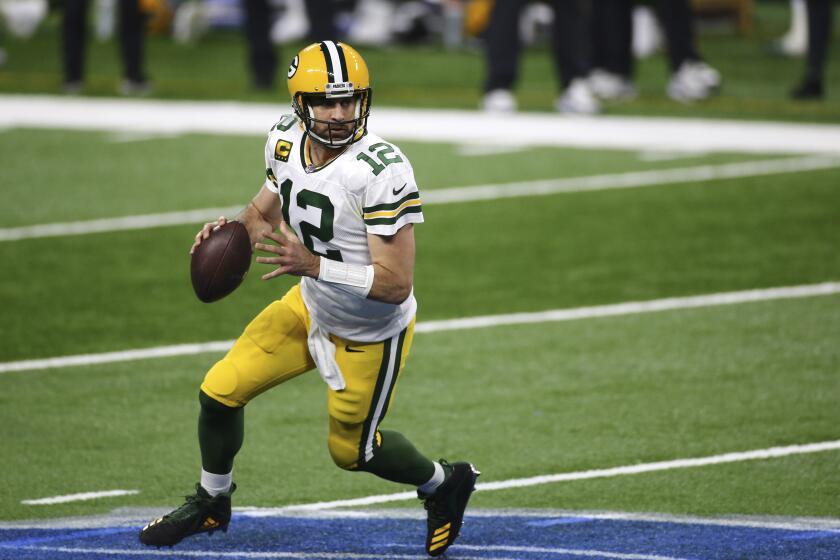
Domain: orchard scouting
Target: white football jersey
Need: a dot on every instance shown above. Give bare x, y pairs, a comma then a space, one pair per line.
369, 188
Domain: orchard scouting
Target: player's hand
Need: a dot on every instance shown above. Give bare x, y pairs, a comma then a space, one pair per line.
289, 254
206, 230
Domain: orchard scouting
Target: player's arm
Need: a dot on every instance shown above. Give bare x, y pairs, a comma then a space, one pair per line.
262, 215
393, 265
388, 279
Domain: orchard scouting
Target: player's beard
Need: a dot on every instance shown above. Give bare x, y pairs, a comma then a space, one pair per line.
334, 132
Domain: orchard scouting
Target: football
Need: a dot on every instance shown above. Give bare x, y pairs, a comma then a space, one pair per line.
220, 263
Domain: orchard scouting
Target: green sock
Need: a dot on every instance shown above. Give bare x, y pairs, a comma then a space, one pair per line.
221, 431
397, 460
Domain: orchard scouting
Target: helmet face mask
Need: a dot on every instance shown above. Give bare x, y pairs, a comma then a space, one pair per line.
333, 133
325, 73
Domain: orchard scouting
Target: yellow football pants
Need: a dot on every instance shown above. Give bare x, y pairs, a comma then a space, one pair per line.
273, 349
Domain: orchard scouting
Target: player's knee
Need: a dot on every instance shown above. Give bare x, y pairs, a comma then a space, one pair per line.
211, 406
221, 381
344, 454
343, 444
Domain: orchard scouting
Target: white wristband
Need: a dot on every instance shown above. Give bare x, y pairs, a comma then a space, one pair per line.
357, 276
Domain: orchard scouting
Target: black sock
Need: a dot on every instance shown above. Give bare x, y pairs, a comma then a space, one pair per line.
397, 460
221, 431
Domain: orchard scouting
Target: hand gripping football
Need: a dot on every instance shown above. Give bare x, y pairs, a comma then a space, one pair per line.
220, 263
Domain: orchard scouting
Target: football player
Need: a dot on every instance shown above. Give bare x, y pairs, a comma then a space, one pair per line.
337, 208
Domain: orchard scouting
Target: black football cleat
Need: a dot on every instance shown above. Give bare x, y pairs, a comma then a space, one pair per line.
445, 508
809, 90
201, 513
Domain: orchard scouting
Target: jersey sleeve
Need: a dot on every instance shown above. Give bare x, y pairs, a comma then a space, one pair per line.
392, 201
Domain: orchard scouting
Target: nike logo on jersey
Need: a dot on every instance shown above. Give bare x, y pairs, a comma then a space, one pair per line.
348, 349
396, 192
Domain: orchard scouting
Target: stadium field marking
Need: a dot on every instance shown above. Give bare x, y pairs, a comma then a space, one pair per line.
81, 497
127, 517
349, 555
554, 315
429, 125
257, 555
735, 457
624, 180
563, 551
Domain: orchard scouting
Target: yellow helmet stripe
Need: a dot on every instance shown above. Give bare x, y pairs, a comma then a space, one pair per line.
336, 64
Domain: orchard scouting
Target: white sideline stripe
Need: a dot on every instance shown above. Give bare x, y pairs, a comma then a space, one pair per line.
349, 555
758, 454
142, 221
131, 517
565, 551
79, 497
632, 179
121, 356
628, 308
426, 125
242, 554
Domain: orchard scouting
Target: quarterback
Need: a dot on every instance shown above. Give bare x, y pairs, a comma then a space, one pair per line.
337, 208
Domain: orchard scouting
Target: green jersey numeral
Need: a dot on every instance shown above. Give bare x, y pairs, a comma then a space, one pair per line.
324, 230
384, 153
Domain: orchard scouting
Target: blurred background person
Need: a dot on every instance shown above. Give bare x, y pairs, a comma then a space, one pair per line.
317, 17
691, 78
795, 41
131, 38
570, 48
820, 17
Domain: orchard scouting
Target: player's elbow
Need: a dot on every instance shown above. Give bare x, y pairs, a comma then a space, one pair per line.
399, 293
403, 293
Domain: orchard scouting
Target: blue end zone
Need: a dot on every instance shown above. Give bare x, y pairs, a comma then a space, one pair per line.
521, 537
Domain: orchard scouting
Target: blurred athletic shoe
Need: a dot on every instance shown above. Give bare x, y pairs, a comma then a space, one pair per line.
133, 88
498, 101
706, 74
688, 85
578, 99
808, 90
794, 43
611, 87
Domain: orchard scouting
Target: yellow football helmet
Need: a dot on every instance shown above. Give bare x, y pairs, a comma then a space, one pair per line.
330, 70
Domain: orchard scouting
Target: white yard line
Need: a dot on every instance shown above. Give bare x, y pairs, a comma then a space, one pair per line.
586, 553
218, 554
143, 221
631, 179
631, 308
130, 517
757, 454
121, 356
458, 127
84, 496
627, 308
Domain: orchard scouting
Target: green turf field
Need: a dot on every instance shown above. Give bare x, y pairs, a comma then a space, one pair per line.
520, 401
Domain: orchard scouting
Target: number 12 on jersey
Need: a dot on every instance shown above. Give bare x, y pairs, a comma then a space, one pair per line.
384, 153
323, 231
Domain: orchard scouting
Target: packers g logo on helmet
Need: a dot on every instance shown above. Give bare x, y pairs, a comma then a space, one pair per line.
294, 66
330, 70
